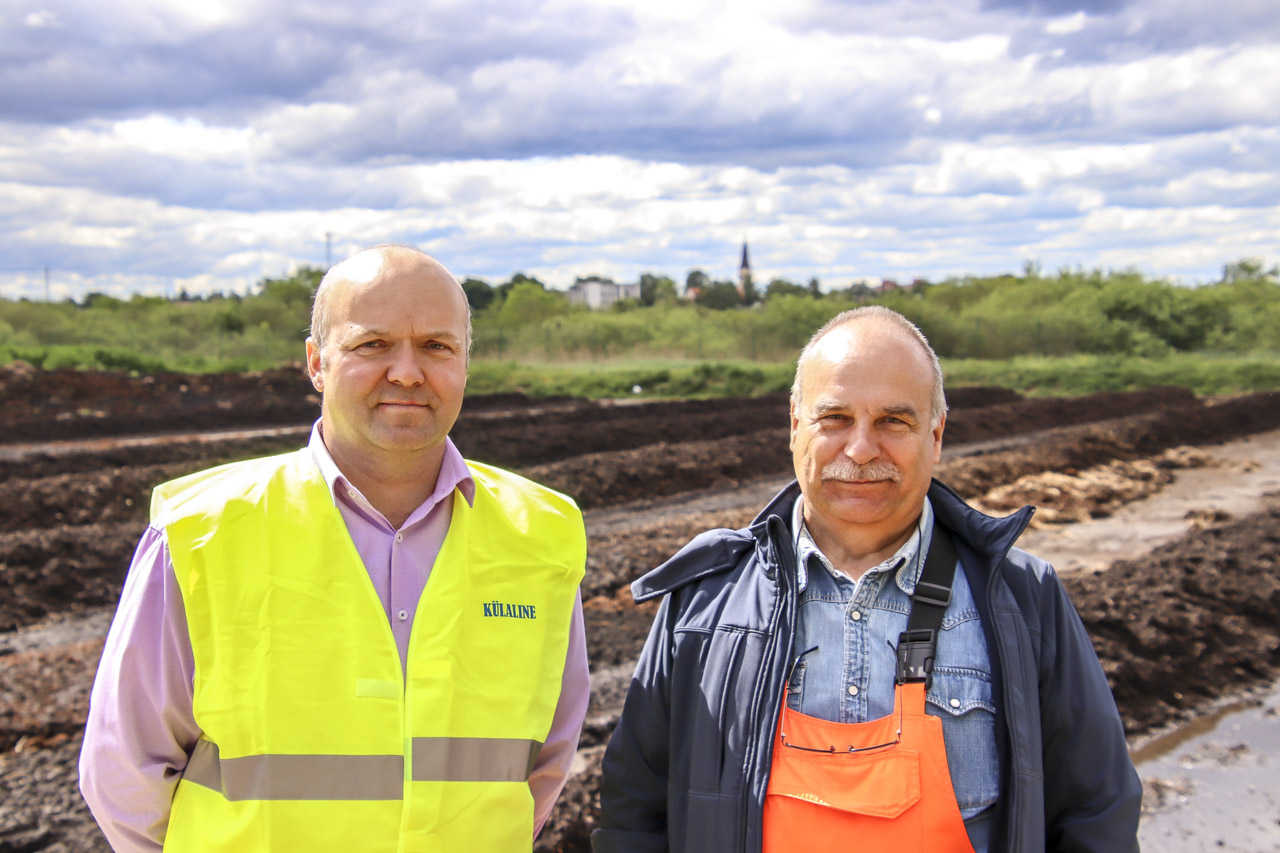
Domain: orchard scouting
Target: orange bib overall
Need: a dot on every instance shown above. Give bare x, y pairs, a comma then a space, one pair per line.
882, 785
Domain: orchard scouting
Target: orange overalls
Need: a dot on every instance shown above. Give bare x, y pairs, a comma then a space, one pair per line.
881, 785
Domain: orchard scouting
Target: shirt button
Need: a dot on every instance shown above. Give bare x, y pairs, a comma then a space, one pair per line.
403, 615
855, 615
955, 703
853, 690
399, 537
351, 493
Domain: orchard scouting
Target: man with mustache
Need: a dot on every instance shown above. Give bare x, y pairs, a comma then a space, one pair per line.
871, 665
369, 644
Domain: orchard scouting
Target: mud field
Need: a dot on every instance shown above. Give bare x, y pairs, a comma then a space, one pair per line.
1178, 627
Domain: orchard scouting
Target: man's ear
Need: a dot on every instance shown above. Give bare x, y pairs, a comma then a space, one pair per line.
937, 438
795, 421
314, 371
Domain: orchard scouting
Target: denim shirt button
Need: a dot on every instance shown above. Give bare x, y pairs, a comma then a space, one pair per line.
955, 703
855, 615
853, 690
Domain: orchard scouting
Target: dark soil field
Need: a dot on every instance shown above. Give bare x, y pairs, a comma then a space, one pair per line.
1191, 621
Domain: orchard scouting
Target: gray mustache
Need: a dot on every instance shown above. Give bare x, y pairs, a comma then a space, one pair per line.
843, 469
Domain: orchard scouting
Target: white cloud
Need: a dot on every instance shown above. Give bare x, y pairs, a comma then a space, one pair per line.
157, 142
41, 19
187, 138
1066, 25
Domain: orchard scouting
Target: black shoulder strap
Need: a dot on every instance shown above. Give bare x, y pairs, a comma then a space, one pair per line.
919, 643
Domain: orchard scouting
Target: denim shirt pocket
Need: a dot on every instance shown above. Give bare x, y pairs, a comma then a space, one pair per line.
962, 698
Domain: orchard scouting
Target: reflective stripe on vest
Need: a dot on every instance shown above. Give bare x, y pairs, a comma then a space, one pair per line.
314, 738
360, 777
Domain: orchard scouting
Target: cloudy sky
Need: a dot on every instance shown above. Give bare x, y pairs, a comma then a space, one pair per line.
149, 145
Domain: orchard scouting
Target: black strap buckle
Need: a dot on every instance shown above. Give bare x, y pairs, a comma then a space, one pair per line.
916, 650
932, 593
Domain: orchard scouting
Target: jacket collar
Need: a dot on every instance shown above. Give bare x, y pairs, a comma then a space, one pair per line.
781, 506
987, 535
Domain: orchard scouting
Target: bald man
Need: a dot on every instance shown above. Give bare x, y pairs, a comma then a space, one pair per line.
871, 665
367, 644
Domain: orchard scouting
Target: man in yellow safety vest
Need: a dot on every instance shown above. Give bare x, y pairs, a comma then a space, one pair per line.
366, 644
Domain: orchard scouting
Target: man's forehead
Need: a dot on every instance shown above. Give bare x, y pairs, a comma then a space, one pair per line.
869, 340
864, 362
362, 267
834, 346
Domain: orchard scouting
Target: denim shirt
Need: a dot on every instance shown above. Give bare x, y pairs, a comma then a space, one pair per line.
849, 678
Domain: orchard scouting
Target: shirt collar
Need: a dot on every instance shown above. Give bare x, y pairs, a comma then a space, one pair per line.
454, 473
907, 558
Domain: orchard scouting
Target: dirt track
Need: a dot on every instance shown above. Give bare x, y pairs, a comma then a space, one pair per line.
1195, 618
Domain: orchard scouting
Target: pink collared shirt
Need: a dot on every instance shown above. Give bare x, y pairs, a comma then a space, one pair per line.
140, 729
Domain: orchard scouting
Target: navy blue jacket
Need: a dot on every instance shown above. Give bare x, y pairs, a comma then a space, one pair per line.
688, 764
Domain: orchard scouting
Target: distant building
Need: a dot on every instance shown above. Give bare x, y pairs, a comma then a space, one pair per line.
599, 293
888, 285
744, 271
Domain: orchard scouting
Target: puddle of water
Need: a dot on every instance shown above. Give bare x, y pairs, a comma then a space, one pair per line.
1214, 784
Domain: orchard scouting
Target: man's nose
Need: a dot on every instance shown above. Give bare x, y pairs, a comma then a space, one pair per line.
404, 368
862, 445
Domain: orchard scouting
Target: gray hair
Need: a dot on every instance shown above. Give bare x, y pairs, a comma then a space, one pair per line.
878, 313
320, 302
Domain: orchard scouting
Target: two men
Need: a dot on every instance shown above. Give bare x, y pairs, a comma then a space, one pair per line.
368, 644
870, 665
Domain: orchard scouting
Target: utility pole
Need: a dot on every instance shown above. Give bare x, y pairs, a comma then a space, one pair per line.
46, 283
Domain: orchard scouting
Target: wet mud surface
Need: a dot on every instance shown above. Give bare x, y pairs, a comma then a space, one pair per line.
1177, 627
1212, 784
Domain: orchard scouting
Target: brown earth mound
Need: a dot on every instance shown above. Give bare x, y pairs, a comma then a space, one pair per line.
44, 405
1190, 621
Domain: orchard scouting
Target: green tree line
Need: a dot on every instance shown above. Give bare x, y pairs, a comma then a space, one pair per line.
1073, 312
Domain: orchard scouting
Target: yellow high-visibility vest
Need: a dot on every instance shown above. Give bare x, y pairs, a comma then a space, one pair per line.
313, 739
